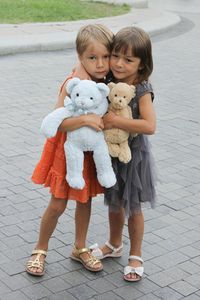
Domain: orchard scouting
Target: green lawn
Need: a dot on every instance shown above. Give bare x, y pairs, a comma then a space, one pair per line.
22, 11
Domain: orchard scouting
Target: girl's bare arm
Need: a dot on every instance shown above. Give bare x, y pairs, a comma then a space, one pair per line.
91, 120
146, 124
61, 97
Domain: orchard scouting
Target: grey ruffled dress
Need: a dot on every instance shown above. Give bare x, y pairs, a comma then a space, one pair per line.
135, 180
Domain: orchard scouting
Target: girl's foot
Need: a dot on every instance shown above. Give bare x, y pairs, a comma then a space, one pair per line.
106, 250
134, 270
35, 266
85, 257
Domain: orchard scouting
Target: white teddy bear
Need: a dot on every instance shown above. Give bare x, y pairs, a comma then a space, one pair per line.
86, 97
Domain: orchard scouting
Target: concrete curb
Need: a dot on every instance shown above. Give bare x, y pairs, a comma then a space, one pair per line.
169, 20
59, 36
133, 3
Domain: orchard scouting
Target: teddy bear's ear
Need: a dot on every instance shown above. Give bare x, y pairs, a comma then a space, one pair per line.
104, 89
71, 84
111, 85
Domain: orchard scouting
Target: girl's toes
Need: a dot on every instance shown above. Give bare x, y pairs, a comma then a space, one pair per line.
97, 266
133, 276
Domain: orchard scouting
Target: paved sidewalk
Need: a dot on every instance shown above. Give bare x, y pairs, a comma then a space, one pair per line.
58, 36
171, 249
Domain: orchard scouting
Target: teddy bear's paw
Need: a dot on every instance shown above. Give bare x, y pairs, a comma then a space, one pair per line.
50, 132
107, 180
77, 182
125, 157
114, 150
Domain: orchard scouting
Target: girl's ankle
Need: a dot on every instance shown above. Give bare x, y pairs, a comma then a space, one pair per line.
116, 244
41, 247
135, 253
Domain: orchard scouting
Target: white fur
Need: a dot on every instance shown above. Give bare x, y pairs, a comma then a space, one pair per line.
86, 97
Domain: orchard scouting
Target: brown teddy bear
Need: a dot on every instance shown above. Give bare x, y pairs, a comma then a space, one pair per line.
117, 139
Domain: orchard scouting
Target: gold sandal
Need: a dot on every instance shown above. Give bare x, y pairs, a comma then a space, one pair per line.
36, 263
88, 263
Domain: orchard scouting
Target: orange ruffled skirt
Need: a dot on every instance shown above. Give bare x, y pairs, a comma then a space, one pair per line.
51, 171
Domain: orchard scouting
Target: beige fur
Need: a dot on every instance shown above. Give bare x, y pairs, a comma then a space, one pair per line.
117, 139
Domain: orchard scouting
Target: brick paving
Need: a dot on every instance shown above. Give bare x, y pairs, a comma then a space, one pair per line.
28, 89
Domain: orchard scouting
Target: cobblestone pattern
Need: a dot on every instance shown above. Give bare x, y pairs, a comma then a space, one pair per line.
28, 90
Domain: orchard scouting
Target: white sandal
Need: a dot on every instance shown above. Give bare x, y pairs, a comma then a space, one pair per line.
131, 270
97, 252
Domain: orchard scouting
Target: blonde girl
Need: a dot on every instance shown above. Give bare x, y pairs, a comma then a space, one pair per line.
93, 45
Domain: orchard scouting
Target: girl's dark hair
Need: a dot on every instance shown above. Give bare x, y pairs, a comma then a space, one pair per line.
139, 42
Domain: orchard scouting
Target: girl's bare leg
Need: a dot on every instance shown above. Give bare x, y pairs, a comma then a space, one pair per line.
48, 223
116, 222
82, 219
136, 233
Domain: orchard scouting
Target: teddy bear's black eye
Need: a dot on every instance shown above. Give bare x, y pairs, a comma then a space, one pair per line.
124, 97
91, 98
77, 95
115, 95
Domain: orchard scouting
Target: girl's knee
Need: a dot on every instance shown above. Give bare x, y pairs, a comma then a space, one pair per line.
117, 214
57, 206
80, 205
136, 217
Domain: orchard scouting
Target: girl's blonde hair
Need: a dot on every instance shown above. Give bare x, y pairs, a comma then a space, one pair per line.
97, 32
138, 41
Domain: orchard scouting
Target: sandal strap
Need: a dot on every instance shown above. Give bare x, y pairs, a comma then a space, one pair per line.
131, 270
35, 264
92, 261
81, 251
108, 244
135, 257
37, 251
94, 246
96, 251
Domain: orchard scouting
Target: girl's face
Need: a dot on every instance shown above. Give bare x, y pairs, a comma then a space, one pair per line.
125, 66
95, 60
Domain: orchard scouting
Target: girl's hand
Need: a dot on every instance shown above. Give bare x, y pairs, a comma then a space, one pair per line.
109, 120
94, 121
